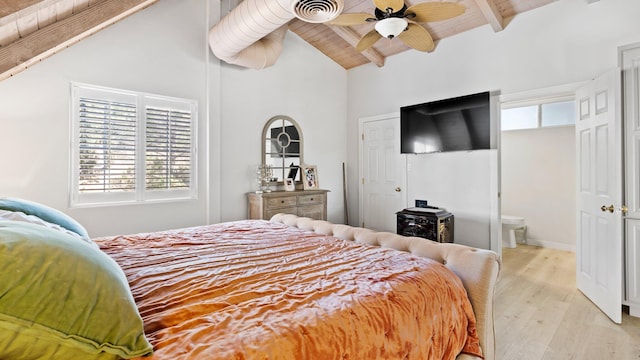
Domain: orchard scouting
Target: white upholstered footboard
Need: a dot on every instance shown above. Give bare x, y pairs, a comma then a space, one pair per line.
477, 268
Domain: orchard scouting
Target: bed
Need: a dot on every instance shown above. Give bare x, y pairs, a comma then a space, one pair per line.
288, 288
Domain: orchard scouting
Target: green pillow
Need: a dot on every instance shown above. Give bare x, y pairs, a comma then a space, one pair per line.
45, 213
59, 296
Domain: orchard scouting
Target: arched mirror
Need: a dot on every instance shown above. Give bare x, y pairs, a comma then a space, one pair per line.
282, 147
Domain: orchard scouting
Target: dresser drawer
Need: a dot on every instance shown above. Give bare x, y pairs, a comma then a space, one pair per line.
312, 211
310, 199
280, 202
268, 214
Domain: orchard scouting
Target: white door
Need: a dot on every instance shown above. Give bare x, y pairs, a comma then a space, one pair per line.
383, 173
630, 57
599, 184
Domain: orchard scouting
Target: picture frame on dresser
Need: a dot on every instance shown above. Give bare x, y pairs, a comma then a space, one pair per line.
289, 184
309, 177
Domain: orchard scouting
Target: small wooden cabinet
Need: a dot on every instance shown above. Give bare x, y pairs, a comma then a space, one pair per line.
306, 203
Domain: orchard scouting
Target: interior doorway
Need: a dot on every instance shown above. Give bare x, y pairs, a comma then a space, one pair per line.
537, 160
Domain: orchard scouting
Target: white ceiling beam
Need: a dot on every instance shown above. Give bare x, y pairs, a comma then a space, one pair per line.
491, 13
38, 45
352, 38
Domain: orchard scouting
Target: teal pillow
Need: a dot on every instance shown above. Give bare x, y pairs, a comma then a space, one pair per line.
45, 213
59, 296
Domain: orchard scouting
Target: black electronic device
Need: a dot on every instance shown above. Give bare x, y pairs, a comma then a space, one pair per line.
456, 124
430, 223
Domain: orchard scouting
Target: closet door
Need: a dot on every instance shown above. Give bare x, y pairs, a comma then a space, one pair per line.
631, 83
630, 63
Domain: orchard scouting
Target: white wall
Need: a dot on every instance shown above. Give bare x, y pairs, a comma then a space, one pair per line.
454, 181
141, 53
564, 42
303, 84
538, 183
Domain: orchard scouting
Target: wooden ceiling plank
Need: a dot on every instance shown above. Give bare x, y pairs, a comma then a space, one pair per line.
30, 7
491, 13
9, 7
27, 24
79, 5
8, 34
46, 16
64, 9
45, 42
352, 38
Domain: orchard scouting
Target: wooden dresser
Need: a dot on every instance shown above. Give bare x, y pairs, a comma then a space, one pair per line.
306, 203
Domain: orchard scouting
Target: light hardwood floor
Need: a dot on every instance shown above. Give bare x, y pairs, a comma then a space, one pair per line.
540, 314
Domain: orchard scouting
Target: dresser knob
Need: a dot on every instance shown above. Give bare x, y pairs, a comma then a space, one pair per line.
311, 199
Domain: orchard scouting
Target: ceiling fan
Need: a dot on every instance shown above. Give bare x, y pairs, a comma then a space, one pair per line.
394, 19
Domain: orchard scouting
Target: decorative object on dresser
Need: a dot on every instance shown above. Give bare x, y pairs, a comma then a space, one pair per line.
264, 177
289, 184
309, 177
305, 203
429, 222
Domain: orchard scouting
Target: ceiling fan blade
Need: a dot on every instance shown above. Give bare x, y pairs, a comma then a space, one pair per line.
417, 37
351, 19
434, 11
367, 40
395, 5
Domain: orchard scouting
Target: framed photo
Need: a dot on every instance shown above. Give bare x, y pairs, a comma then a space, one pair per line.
289, 184
293, 171
309, 177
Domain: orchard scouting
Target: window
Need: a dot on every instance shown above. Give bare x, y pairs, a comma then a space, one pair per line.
131, 147
536, 114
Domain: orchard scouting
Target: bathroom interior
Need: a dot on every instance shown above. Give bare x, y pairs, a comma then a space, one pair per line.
538, 190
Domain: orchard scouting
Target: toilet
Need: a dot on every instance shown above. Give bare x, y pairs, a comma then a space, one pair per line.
509, 226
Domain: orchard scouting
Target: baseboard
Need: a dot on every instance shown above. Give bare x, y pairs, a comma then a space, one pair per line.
552, 245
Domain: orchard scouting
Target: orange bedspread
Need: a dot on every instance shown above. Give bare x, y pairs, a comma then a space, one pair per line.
260, 290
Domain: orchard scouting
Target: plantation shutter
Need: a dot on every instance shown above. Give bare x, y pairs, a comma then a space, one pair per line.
107, 146
131, 147
168, 148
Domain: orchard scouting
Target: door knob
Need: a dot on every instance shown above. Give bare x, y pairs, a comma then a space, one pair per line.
398, 189
624, 209
609, 208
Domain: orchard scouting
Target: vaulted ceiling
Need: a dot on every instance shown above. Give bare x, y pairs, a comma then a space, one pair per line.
31, 30
338, 42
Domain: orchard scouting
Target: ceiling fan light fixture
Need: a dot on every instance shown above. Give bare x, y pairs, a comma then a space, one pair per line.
391, 27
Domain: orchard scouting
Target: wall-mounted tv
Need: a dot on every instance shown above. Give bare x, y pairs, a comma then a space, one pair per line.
456, 124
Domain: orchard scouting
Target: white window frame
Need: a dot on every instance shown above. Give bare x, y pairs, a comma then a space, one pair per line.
141, 101
537, 102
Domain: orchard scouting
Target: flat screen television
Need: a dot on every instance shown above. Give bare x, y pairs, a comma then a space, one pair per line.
456, 124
